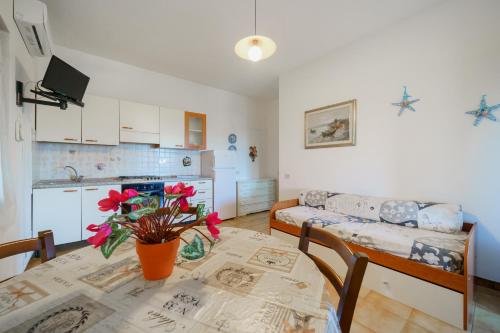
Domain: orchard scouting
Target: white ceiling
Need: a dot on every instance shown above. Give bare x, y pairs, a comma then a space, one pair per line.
194, 40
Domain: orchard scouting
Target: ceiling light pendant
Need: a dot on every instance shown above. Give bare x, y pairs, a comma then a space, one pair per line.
255, 47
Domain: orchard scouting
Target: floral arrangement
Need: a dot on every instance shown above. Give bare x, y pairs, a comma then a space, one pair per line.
149, 223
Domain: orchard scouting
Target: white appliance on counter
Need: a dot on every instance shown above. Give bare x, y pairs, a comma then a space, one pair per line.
220, 165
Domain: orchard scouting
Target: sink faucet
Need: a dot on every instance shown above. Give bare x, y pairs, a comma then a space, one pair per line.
74, 177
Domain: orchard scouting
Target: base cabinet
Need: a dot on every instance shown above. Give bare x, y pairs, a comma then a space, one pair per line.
90, 210
255, 195
58, 209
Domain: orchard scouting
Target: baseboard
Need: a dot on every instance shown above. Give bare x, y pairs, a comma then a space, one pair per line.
478, 281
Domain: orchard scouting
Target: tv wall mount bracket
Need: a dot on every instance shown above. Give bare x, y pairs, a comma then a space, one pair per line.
59, 101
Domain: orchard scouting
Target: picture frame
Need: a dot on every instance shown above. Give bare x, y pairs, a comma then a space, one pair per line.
331, 126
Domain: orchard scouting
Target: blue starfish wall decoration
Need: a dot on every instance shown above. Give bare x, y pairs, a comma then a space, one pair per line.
484, 111
406, 103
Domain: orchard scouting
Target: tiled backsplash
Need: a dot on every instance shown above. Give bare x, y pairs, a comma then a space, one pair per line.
92, 161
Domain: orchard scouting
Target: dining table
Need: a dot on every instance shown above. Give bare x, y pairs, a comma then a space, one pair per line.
246, 282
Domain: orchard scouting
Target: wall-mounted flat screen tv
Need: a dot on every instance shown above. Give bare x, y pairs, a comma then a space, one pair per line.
64, 79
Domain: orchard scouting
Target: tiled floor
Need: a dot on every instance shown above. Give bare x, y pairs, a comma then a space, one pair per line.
376, 313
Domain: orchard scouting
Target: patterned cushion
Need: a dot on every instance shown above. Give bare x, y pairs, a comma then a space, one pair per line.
407, 213
355, 205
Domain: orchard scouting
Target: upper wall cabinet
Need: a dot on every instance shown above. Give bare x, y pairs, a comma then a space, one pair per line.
100, 121
171, 128
195, 135
139, 123
56, 125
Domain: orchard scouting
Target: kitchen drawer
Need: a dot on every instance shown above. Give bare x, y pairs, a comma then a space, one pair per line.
253, 208
255, 199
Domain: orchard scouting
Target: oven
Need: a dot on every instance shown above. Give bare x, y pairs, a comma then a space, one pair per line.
154, 191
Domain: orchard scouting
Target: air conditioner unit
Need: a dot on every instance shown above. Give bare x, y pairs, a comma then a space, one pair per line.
31, 20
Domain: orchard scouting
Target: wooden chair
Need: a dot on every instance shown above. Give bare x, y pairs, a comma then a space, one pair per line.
356, 265
43, 243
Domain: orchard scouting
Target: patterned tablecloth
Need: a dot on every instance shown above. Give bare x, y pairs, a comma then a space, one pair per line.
249, 282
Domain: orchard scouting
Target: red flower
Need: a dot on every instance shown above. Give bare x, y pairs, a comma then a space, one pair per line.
103, 232
180, 188
115, 198
130, 193
212, 220
168, 189
183, 204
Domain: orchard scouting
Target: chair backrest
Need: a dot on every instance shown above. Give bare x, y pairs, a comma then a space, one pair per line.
43, 243
348, 289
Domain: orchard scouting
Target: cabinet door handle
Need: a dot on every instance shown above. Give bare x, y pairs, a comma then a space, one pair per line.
127, 127
91, 189
90, 140
201, 192
70, 139
70, 191
201, 182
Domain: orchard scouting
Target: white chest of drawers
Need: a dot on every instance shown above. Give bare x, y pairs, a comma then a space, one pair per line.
255, 195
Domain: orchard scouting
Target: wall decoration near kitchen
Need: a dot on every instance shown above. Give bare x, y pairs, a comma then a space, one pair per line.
186, 161
232, 138
484, 111
406, 103
331, 126
253, 153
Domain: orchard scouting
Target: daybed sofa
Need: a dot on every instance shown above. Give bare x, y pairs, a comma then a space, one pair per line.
421, 253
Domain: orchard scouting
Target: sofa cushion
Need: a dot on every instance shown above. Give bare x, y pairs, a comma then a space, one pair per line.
355, 205
407, 213
442, 250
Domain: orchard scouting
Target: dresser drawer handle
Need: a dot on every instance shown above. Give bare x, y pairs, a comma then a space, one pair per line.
201, 192
70, 191
90, 140
127, 127
91, 189
179, 146
70, 139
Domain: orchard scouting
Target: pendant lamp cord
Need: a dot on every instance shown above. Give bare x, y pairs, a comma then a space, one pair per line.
255, 17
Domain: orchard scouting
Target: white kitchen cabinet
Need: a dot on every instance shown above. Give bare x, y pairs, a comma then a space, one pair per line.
100, 121
171, 128
59, 210
139, 123
204, 193
56, 125
90, 210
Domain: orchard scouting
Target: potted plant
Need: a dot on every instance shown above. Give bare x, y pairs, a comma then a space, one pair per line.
157, 230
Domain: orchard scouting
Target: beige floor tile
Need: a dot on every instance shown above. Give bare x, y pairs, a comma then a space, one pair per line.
488, 299
388, 304
432, 324
485, 321
377, 318
411, 327
359, 328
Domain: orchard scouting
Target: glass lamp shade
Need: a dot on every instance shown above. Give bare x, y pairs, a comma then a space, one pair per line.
255, 48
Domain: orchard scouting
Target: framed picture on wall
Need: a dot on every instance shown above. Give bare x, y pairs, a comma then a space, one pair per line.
331, 126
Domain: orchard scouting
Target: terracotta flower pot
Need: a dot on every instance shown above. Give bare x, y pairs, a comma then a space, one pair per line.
157, 260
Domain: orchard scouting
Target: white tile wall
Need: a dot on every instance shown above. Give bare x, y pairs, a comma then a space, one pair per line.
92, 161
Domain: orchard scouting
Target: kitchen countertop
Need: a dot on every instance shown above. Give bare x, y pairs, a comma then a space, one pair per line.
56, 183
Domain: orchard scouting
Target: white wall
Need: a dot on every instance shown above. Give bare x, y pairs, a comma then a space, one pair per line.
268, 116
15, 217
448, 56
226, 112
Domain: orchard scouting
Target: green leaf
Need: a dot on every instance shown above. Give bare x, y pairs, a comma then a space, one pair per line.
135, 200
137, 214
194, 250
200, 209
114, 240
